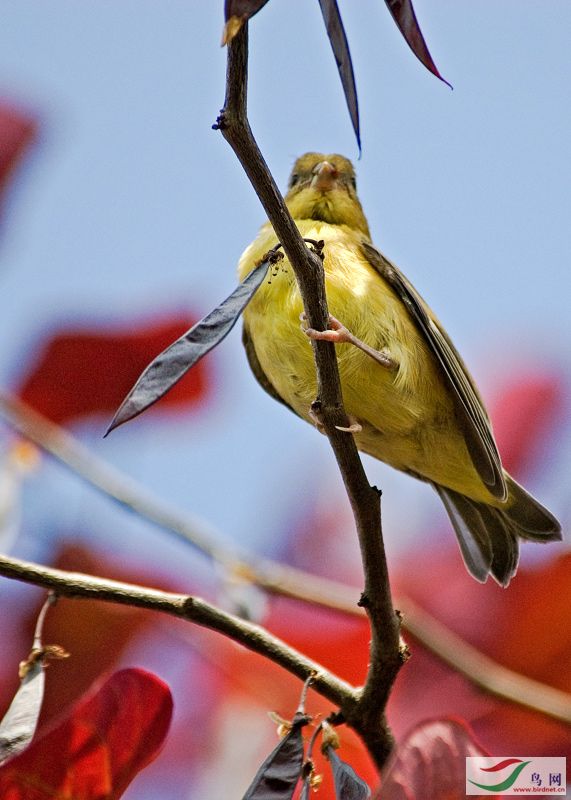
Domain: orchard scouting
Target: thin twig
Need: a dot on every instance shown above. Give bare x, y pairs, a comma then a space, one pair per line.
77, 585
50, 601
279, 579
386, 655
109, 480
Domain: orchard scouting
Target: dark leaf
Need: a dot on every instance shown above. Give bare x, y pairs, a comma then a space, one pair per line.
431, 762
19, 724
348, 785
279, 774
403, 14
340, 45
242, 8
170, 366
99, 747
236, 13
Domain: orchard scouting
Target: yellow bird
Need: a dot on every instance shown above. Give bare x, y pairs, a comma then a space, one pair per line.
407, 391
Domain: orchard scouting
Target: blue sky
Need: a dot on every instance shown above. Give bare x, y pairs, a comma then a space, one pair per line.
132, 204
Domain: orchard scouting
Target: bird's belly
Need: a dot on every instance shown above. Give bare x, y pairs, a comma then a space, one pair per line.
397, 408
407, 414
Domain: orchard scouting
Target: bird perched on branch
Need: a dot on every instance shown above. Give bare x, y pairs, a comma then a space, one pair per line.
406, 390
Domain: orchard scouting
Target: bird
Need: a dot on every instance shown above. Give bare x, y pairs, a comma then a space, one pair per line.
408, 394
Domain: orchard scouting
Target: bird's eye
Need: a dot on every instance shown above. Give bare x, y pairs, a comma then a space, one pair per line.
294, 179
353, 182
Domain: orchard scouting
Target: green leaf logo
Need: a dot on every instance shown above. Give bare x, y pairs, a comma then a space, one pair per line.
507, 783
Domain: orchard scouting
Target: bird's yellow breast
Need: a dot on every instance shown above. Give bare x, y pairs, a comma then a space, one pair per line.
398, 408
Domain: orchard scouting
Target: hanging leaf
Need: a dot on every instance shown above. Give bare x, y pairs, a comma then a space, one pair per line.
19, 724
279, 774
403, 14
340, 46
170, 366
236, 13
348, 785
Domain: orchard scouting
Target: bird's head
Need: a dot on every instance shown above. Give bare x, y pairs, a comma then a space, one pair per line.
323, 187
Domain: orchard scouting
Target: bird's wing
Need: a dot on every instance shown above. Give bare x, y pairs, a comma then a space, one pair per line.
471, 412
256, 368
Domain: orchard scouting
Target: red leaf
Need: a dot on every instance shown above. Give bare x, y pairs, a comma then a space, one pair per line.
523, 415
97, 750
403, 14
17, 130
431, 762
508, 626
83, 371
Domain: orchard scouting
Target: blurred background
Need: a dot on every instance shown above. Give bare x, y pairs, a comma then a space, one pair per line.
123, 215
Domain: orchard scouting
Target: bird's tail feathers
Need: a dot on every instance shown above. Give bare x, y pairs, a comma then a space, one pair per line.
532, 520
488, 536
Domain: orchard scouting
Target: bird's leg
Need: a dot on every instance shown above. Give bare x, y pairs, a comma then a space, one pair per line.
339, 334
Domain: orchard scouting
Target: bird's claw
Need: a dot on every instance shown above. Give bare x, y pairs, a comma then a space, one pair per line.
354, 427
336, 331
315, 416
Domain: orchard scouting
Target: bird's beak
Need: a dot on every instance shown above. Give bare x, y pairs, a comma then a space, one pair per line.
324, 177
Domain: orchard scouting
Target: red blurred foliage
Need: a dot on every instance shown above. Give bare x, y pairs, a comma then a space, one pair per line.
17, 131
228, 687
525, 628
524, 414
99, 747
89, 371
102, 636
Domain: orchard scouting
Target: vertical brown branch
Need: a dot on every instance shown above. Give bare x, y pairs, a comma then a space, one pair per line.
386, 656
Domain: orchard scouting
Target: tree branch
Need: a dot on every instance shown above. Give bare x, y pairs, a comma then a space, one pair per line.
279, 579
193, 609
386, 654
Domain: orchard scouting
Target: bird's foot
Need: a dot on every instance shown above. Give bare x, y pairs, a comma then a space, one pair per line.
339, 334
336, 332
